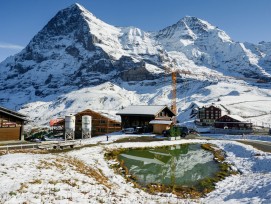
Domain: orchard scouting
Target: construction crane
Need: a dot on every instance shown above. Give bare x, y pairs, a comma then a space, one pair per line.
174, 92
173, 72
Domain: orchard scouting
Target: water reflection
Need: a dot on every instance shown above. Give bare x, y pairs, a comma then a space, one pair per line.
180, 164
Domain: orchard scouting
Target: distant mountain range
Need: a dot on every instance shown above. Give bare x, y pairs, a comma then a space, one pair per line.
78, 61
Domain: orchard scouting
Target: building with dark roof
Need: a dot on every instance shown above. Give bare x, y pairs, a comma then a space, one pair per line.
11, 124
233, 122
152, 118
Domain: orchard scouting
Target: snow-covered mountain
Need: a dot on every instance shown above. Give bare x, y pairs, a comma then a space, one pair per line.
78, 61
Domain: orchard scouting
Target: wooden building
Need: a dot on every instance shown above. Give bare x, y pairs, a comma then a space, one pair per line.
232, 122
152, 118
207, 115
11, 125
160, 125
101, 124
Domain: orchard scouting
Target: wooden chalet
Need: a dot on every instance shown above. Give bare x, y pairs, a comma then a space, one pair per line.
11, 125
152, 118
207, 115
101, 124
232, 122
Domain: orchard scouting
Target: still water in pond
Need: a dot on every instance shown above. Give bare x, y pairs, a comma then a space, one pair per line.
174, 165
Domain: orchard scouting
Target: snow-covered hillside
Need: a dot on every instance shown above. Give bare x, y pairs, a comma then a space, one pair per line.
78, 61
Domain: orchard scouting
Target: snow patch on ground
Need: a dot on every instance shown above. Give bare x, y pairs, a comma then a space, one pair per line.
53, 178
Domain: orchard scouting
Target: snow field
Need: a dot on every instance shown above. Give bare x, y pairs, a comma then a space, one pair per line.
252, 185
57, 178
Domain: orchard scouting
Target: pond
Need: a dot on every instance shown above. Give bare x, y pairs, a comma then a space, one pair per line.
180, 165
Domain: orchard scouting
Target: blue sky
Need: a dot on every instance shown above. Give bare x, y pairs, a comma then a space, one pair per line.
242, 20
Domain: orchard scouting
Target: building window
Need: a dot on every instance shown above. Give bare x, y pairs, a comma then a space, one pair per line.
102, 122
103, 130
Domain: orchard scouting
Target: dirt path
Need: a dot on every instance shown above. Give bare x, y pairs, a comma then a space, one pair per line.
263, 146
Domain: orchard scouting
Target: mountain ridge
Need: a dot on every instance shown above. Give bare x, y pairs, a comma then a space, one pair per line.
75, 52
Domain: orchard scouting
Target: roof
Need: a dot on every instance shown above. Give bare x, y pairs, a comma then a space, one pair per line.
162, 122
13, 113
237, 117
143, 110
210, 105
61, 121
103, 114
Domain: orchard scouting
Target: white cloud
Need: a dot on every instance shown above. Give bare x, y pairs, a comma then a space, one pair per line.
10, 46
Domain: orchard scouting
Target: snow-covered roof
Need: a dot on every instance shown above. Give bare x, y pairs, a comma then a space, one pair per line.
142, 110
210, 105
99, 112
237, 117
162, 122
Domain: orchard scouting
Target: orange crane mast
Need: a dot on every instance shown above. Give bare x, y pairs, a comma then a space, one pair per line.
174, 92
174, 88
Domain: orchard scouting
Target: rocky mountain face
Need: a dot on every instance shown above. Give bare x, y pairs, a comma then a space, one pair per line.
211, 47
76, 54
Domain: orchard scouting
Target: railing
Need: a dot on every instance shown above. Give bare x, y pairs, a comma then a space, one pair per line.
59, 144
230, 131
20, 146
261, 124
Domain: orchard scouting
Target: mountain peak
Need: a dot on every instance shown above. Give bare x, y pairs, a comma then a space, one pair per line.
186, 28
194, 22
65, 21
190, 28
76, 6
75, 52
190, 18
